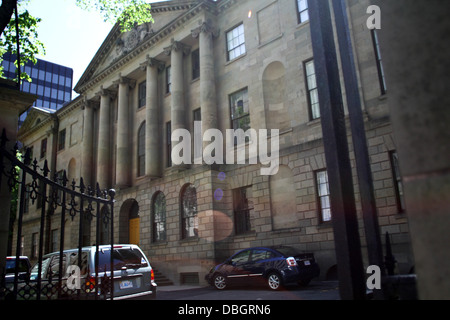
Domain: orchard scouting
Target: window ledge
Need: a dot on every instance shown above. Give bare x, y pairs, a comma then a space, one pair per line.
190, 239
236, 59
245, 234
302, 24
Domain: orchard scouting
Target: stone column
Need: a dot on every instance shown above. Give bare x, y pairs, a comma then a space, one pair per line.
153, 136
178, 112
87, 146
205, 33
418, 98
12, 103
104, 171
123, 159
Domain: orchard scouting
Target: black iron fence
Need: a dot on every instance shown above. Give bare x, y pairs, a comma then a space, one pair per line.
64, 274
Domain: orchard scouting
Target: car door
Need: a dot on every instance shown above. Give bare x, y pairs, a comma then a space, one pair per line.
257, 264
239, 271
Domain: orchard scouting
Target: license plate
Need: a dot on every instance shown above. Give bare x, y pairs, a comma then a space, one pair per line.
307, 263
126, 284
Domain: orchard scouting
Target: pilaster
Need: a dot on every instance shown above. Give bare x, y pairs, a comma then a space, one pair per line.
123, 158
152, 125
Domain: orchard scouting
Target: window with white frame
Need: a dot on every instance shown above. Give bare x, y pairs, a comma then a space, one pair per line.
240, 112
159, 217
398, 183
323, 194
379, 61
302, 10
313, 93
189, 213
235, 42
141, 151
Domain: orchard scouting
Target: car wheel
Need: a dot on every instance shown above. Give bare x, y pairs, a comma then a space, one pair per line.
220, 282
274, 281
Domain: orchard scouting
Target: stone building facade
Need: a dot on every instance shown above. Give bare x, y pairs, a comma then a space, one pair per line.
231, 65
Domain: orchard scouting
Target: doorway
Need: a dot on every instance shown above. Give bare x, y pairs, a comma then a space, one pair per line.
130, 223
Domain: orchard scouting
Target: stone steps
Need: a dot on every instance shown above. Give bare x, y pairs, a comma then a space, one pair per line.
161, 279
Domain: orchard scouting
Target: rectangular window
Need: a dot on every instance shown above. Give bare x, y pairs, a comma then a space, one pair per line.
168, 79
33, 88
141, 151
67, 96
26, 203
60, 175
34, 245
379, 62
62, 140
61, 96
323, 193
302, 10
198, 114
31, 153
48, 76
235, 42
398, 184
242, 207
198, 147
313, 93
43, 148
69, 82
40, 195
47, 92
169, 143
240, 113
142, 94
54, 241
41, 75
195, 56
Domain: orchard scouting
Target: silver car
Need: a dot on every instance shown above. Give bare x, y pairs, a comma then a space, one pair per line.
133, 274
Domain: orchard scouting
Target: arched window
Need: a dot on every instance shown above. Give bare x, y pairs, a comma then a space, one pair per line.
141, 151
189, 217
159, 217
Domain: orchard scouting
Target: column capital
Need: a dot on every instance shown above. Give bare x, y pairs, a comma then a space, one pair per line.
206, 27
152, 62
89, 104
106, 92
125, 80
177, 46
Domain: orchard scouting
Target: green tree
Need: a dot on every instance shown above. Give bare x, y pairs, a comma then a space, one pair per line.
29, 44
128, 13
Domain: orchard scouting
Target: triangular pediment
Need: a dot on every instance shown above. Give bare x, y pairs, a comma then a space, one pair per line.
36, 118
118, 45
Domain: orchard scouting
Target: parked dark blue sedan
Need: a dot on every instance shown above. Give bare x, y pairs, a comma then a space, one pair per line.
274, 266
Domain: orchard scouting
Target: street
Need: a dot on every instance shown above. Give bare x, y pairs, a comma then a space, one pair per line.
316, 290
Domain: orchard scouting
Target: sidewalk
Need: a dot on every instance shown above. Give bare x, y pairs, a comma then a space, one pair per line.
179, 288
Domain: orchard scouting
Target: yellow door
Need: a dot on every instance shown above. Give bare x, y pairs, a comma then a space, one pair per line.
134, 230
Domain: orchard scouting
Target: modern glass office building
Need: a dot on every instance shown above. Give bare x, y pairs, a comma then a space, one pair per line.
51, 82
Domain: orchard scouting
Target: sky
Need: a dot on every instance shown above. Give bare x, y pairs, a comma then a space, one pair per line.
71, 36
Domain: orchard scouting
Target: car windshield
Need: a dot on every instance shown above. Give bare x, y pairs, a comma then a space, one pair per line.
288, 251
124, 257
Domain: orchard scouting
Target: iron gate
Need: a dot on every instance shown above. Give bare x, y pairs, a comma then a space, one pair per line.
71, 201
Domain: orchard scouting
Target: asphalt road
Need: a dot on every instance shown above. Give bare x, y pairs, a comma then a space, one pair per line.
316, 290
